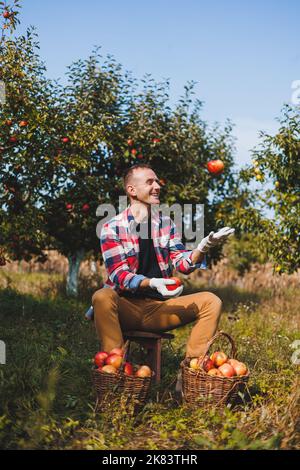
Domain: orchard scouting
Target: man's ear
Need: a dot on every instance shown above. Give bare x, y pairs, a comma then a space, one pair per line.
130, 189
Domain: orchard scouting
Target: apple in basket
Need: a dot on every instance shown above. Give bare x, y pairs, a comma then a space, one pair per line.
239, 367
143, 371
118, 351
109, 369
100, 358
114, 360
207, 364
227, 370
214, 372
128, 368
219, 358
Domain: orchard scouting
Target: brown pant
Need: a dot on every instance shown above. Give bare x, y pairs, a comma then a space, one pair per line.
114, 314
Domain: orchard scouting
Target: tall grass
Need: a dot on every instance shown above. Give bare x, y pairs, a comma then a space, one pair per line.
47, 400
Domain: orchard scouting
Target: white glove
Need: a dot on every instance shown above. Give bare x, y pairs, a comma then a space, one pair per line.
160, 285
214, 239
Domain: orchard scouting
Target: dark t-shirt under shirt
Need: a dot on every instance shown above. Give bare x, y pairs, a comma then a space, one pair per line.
148, 264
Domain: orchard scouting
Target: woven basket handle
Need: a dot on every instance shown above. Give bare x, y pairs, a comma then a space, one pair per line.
126, 347
211, 342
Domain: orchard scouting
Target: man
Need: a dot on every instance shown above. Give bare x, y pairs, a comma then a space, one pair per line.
135, 296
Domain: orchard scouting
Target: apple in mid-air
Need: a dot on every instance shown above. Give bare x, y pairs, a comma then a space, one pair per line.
215, 167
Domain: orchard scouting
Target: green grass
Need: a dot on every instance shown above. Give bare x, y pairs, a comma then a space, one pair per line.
47, 400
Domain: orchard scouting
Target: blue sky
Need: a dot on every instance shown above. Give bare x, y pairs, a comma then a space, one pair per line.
244, 55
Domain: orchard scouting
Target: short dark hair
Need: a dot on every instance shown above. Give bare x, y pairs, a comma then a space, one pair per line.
130, 171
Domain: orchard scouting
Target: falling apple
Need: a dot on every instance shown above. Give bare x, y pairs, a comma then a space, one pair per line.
178, 283
215, 167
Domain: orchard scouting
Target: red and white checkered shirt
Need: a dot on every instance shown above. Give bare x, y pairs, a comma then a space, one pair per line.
120, 250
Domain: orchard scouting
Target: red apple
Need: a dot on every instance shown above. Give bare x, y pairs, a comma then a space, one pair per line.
162, 182
207, 364
130, 142
227, 370
100, 357
85, 207
69, 206
139, 156
215, 167
13, 139
239, 367
214, 372
133, 152
174, 286
128, 368
114, 360
156, 141
23, 123
109, 368
219, 358
143, 371
6, 14
8, 122
65, 140
118, 351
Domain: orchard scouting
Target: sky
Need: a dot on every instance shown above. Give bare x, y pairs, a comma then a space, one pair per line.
244, 55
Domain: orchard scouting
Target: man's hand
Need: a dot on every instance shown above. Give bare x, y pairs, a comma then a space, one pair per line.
214, 239
160, 285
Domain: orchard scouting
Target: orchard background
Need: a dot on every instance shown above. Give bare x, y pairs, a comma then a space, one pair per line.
63, 150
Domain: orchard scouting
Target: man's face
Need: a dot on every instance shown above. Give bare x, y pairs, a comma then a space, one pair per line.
144, 186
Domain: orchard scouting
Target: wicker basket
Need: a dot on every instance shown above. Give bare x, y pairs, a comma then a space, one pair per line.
199, 388
118, 388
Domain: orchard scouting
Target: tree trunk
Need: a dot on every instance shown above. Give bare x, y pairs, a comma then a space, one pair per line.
73, 273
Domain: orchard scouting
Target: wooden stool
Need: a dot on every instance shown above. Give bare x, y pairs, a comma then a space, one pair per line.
152, 343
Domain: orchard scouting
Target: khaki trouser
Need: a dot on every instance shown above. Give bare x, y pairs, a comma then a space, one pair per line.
114, 314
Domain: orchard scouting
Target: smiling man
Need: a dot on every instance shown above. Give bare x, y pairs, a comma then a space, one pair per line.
138, 247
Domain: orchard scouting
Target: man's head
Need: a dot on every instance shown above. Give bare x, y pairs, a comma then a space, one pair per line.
141, 184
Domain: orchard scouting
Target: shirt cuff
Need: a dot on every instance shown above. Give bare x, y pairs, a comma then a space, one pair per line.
202, 265
135, 281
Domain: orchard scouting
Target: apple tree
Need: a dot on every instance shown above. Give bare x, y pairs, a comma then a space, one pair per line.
23, 139
270, 213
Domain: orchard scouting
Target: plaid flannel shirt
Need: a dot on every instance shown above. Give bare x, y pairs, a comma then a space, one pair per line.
120, 250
